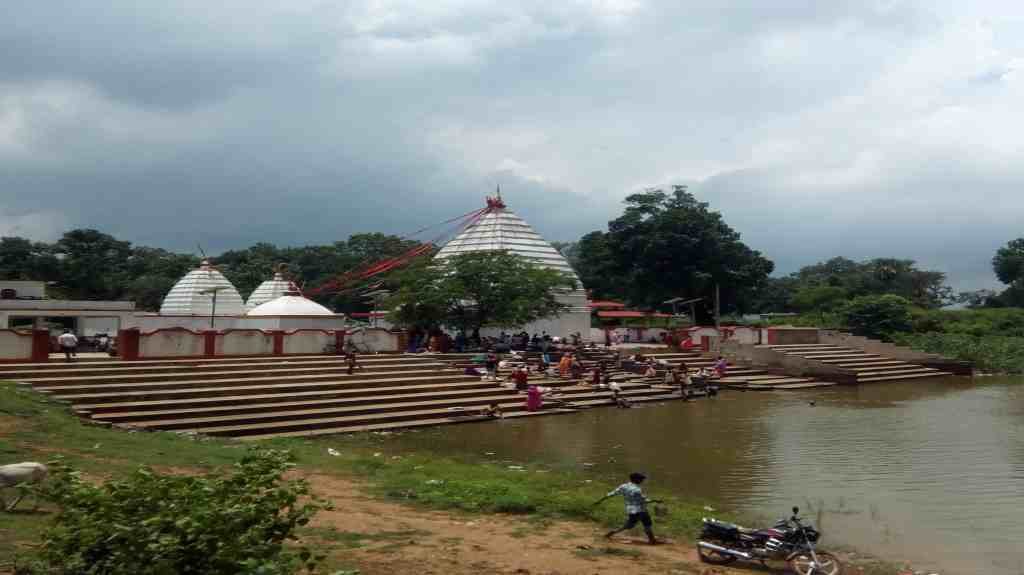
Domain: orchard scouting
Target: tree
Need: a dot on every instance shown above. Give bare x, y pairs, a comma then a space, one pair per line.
595, 267
477, 289
878, 316
668, 244
818, 298
1008, 262
22, 259
92, 264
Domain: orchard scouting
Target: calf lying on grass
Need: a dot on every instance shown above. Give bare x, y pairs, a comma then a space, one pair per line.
24, 473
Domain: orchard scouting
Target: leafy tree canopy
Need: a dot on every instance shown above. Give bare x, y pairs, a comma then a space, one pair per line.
1008, 263
878, 316
477, 289
668, 244
89, 265
825, 286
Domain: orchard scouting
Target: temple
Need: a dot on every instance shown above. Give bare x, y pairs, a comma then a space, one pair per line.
499, 228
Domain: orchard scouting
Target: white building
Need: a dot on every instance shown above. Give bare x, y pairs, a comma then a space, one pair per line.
275, 304
501, 229
23, 304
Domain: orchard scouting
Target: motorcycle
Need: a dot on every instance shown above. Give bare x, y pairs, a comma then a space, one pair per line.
790, 540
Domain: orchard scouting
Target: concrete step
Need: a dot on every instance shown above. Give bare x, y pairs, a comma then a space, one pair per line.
229, 402
98, 394
855, 364
58, 365
509, 400
901, 377
843, 356
236, 374
896, 370
334, 378
130, 370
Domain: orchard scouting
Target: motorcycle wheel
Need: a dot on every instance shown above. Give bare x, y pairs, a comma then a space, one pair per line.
802, 564
714, 557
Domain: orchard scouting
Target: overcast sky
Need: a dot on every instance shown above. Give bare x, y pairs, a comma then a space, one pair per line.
818, 128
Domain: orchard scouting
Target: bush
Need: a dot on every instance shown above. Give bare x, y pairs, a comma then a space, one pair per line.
878, 316
154, 524
990, 353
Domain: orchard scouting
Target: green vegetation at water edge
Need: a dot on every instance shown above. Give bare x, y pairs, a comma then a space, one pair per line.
988, 353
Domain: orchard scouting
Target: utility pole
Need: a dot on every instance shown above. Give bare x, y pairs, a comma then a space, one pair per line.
213, 304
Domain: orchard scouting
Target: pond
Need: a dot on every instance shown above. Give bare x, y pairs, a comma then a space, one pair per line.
930, 472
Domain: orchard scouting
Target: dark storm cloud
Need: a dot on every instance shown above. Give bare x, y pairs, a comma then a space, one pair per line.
819, 129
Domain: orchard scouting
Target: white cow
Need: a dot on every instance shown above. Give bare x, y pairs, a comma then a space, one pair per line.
23, 473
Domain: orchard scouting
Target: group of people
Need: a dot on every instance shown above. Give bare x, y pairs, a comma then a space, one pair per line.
439, 341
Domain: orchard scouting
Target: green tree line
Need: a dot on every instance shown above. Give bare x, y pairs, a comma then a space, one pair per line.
88, 264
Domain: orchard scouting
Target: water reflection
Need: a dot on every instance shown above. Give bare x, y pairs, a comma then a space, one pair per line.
928, 471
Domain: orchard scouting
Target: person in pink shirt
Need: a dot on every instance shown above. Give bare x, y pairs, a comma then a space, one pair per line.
534, 398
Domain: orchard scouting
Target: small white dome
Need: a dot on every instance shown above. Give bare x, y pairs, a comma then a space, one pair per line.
289, 305
268, 291
193, 294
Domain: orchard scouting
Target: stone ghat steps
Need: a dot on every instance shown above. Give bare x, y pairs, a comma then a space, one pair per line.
308, 395
168, 390
185, 378
865, 367
311, 417
449, 419
192, 361
91, 405
742, 378
333, 426
244, 405
127, 371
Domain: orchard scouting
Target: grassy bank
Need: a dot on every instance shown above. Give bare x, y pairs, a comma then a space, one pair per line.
33, 428
991, 353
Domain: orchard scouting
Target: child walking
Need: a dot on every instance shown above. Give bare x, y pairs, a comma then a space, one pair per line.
636, 506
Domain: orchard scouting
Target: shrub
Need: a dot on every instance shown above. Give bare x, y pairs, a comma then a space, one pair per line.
155, 524
990, 353
877, 316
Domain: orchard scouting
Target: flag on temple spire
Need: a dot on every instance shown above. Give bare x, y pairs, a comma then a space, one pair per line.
499, 191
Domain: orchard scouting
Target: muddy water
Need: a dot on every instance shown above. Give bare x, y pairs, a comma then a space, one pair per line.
931, 472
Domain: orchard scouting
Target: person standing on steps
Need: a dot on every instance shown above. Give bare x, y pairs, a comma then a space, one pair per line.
352, 361
636, 506
68, 342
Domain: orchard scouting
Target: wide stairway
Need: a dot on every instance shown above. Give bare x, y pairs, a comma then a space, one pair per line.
736, 377
865, 367
747, 378
255, 398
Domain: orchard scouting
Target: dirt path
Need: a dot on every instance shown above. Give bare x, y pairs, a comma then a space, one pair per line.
384, 538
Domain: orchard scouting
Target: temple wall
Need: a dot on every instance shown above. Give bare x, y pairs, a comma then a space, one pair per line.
15, 344
244, 342
308, 341
375, 340
174, 342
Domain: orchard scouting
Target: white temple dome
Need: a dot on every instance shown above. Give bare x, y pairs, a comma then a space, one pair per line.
268, 291
193, 294
500, 229
291, 304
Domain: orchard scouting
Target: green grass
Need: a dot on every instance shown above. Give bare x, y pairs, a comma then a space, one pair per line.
1001, 354
32, 427
37, 428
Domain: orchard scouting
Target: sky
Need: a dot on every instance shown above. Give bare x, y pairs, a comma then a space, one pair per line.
868, 128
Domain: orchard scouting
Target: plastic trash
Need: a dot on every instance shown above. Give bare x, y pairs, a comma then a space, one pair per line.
333, 452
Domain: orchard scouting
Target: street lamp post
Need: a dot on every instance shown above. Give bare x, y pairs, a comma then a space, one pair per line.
213, 305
